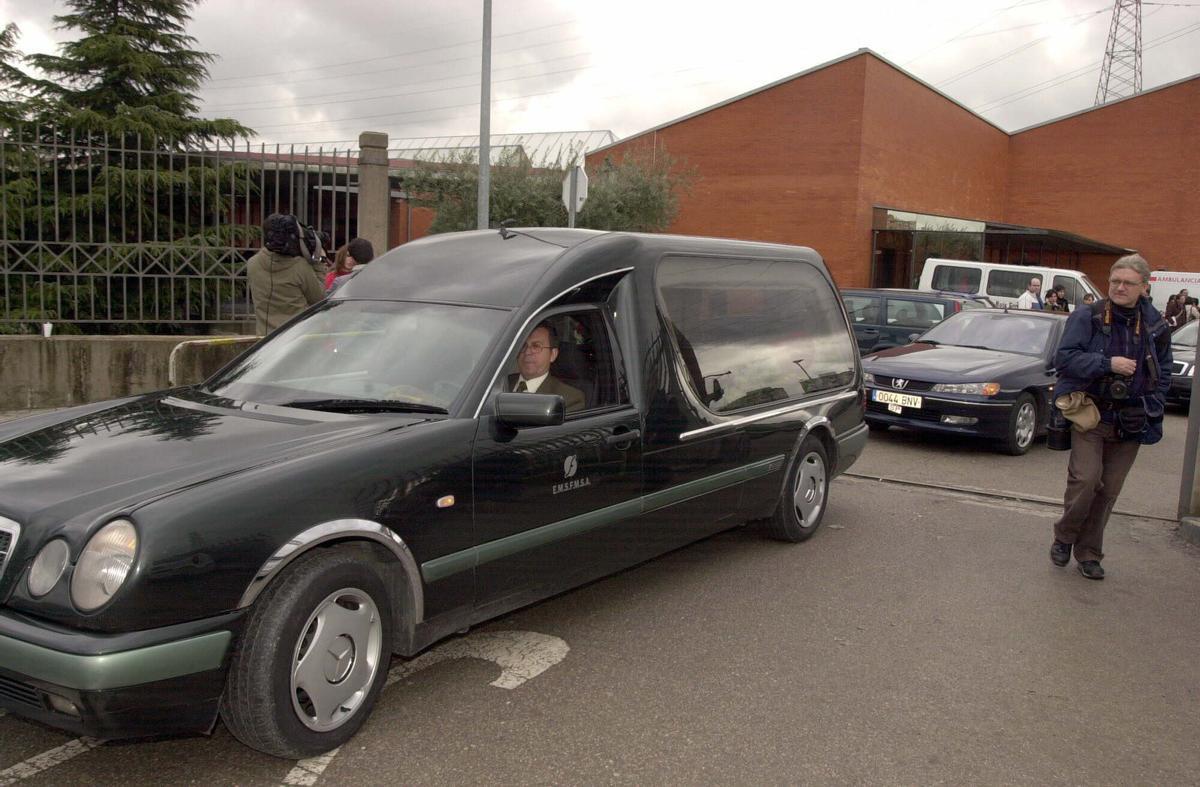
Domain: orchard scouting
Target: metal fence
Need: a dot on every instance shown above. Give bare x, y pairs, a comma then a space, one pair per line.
98, 231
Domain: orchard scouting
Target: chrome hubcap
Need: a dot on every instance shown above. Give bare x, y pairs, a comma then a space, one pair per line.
1026, 420
809, 497
336, 659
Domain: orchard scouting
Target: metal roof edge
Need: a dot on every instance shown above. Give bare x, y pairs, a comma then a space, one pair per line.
1103, 106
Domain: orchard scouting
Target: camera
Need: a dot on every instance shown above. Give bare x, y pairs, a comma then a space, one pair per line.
1114, 387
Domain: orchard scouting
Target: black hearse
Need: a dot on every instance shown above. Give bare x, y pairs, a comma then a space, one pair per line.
360, 483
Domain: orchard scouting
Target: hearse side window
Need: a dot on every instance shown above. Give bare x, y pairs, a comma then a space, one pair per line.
751, 332
862, 308
1010, 284
587, 358
954, 278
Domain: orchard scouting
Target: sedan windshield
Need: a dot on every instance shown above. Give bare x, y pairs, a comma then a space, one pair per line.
1010, 332
380, 356
1186, 335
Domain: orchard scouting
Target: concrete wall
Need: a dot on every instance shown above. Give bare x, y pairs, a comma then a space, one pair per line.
67, 370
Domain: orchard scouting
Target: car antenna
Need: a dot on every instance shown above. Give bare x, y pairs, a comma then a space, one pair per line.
506, 233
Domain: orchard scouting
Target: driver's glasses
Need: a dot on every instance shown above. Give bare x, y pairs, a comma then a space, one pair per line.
535, 347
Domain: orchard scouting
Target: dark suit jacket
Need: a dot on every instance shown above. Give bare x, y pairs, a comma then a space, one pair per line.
572, 397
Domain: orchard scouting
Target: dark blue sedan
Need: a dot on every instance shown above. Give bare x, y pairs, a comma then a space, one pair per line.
984, 372
1183, 350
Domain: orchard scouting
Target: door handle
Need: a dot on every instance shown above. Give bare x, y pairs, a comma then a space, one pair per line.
623, 437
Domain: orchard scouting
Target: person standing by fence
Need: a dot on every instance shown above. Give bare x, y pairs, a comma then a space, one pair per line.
282, 283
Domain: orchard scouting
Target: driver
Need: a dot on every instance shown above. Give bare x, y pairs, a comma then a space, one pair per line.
536, 355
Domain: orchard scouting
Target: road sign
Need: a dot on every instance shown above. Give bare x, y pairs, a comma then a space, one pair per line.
574, 194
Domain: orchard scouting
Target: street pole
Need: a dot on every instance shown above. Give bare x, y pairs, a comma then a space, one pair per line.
574, 196
485, 120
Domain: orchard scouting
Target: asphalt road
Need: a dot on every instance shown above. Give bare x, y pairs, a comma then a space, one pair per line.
1152, 488
922, 636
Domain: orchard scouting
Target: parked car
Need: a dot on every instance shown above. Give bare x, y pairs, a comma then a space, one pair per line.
883, 318
1003, 284
1183, 351
360, 483
984, 372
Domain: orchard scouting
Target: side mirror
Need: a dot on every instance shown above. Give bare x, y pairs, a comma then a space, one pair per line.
522, 410
912, 337
718, 393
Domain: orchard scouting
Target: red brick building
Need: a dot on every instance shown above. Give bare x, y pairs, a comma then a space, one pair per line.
878, 171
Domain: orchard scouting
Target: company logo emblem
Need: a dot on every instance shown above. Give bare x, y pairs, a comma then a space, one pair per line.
570, 466
899, 383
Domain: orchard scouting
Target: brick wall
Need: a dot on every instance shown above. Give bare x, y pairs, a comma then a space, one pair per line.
1127, 174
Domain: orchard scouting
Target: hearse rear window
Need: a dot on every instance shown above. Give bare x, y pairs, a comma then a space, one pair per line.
751, 332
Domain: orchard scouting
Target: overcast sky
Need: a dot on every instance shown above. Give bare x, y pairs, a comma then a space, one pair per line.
314, 72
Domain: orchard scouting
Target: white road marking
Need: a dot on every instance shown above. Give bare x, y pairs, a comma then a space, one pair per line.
521, 655
308, 771
46, 760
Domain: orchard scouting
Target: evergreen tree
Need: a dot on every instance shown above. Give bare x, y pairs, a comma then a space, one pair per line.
125, 180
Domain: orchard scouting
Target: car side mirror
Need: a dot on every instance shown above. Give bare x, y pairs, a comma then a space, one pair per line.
718, 393
912, 337
523, 410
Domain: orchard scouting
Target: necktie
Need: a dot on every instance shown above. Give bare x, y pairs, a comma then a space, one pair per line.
521, 387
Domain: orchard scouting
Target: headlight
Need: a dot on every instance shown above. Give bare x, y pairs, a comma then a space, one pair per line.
104, 565
47, 567
981, 389
868, 378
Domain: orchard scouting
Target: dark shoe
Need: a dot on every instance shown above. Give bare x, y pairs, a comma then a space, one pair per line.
1060, 553
1091, 569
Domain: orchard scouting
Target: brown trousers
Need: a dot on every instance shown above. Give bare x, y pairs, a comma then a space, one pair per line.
1095, 474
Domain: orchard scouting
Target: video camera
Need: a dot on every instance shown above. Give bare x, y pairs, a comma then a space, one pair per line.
284, 234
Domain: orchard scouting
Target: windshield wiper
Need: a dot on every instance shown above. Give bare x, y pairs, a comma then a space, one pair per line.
367, 406
977, 347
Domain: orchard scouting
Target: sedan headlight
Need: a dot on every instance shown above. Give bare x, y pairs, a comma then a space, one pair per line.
980, 389
104, 565
47, 567
868, 378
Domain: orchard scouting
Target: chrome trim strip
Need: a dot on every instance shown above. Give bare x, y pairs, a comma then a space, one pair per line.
14, 530
520, 335
768, 414
330, 531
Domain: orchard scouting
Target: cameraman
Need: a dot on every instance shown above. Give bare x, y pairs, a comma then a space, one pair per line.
1117, 352
282, 282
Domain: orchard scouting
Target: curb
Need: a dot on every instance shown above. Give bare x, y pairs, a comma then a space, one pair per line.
1189, 528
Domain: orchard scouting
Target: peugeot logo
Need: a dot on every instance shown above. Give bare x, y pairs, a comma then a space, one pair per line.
899, 383
570, 466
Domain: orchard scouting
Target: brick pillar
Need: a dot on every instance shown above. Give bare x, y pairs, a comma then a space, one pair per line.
374, 201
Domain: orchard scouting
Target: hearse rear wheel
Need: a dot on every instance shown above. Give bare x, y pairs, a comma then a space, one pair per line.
313, 657
802, 503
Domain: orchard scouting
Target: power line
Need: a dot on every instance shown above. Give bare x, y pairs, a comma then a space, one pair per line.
390, 57
263, 105
393, 69
1068, 76
983, 21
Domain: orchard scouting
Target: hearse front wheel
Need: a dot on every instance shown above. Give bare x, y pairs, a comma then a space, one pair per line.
802, 503
313, 657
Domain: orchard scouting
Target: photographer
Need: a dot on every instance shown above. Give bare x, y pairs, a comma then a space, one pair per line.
1117, 354
283, 281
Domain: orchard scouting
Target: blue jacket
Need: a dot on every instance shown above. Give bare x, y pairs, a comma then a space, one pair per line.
1083, 358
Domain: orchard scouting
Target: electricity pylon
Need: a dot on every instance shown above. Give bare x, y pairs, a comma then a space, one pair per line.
1121, 74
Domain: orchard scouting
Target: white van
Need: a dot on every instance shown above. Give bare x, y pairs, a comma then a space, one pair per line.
1002, 284
1164, 284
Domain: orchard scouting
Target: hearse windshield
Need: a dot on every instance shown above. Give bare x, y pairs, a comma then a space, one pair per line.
1009, 332
367, 356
